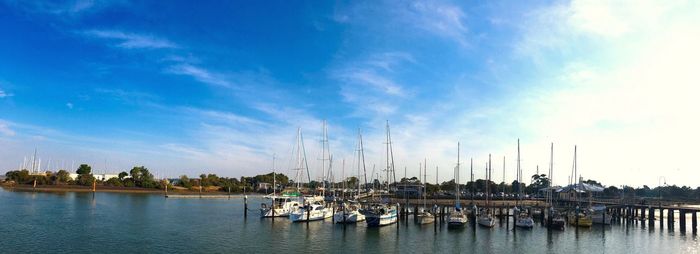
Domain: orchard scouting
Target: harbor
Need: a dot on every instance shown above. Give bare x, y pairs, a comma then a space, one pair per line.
113, 224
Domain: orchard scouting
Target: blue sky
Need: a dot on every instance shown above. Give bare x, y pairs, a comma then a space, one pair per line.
222, 86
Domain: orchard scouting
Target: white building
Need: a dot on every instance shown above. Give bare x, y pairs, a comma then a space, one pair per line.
100, 177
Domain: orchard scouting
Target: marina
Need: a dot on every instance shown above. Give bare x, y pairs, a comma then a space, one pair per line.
162, 225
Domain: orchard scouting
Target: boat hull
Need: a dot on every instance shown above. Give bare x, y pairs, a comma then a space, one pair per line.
348, 218
488, 222
583, 221
524, 223
425, 219
381, 220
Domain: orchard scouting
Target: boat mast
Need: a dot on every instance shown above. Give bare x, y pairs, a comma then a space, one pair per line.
425, 183
519, 177
471, 176
364, 167
274, 179
457, 177
551, 177
488, 181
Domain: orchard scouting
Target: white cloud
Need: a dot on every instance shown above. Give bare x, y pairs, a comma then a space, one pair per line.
131, 40
5, 129
4, 94
69, 105
200, 74
440, 19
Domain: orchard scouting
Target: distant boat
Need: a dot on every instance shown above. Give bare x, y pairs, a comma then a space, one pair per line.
554, 218
457, 217
424, 216
580, 217
381, 215
311, 212
485, 217
348, 213
523, 218
384, 213
600, 215
281, 206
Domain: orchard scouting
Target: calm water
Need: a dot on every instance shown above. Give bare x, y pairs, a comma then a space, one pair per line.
138, 223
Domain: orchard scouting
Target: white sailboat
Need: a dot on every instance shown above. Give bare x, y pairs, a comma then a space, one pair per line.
424, 216
485, 218
313, 207
457, 217
523, 218
554, 219
280, 206
384, 214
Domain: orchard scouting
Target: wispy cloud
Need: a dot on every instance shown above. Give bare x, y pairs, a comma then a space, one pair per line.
69, 105
64, 7
5, 129
200, 74
440, 19
4, 94
131, 40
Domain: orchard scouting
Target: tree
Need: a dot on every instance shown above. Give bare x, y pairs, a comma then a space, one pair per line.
84, 169
62, 176
185, 181
114, 182
85, 179
122, 175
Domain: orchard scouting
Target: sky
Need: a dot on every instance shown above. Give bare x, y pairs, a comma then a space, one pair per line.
222, 86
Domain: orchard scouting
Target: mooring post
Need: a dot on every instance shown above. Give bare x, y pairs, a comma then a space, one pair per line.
415, 213
245, 206
644, 214
651, 216
695, 222
681, 216
661, 217
508, 216
671, 218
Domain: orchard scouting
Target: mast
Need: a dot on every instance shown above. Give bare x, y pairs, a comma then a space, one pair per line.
504, 178
471, 176
425, 183
519, 177
457, 194
550, 195
274, 176
488, 182
324, 144
345, 182
362, 154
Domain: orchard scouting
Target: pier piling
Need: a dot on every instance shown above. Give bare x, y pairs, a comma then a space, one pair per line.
695, 222
245, 206
671, 218
644, 213
661, 217
681, 217
651, 217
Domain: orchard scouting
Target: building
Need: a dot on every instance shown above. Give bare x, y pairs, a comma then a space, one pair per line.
99, 177
264, 186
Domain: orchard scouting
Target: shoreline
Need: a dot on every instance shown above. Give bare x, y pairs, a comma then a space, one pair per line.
110, 189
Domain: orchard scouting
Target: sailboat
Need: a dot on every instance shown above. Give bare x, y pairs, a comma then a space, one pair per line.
554, 219
457, 217
280, 206
580, 217
313, 208
383, 214
522, 219
485, 217
349, 212
424, 215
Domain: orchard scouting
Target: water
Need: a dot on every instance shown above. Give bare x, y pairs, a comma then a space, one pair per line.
145, 223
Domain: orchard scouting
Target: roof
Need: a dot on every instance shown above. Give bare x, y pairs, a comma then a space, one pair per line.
582, 187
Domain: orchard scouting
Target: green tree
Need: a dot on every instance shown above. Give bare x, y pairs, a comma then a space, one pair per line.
114, 182
83, 169
122, 175
62, 176
85, 179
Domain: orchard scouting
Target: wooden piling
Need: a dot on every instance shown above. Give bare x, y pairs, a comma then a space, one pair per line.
661, 217
670, 218
644, 214
245, 206
651, 217
681, 214
695, 222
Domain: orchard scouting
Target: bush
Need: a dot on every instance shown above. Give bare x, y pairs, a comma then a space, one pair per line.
114, 182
